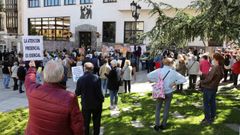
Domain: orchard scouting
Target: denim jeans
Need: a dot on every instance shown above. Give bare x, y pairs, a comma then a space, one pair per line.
235, 79
209, 102
113, 97
167, 103
104, 86
21, 82
6, 80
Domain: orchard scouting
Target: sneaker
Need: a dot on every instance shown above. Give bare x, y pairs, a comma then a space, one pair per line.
21, 92
162, 127
111, 107
156, 128
205, 122
7, 87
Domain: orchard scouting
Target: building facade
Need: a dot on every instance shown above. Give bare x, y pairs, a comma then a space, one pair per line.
87, 23
10, 24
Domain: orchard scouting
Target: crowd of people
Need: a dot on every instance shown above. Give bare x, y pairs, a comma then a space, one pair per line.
46, 81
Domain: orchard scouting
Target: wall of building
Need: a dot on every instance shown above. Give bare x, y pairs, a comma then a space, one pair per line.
101, 12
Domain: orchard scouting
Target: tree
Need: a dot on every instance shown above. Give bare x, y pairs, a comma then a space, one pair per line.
217, 20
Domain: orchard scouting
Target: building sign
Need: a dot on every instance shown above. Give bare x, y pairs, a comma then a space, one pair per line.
86, 12
77, 72
32, 48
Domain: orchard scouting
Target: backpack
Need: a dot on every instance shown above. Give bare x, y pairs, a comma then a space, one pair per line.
158, 89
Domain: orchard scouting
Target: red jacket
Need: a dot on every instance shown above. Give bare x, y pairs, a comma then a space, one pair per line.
52, 109
236, 67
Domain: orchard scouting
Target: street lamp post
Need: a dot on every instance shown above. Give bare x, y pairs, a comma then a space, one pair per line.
135, 14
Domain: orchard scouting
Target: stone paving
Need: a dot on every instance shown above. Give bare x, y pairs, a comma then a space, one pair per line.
11, 100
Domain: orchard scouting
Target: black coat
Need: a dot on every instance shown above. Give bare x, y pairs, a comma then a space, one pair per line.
89, 87
113, 80
21, 73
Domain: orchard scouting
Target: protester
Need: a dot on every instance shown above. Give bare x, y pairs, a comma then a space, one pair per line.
236, 70
67, 63
21, 73
181, 68
193, 71
104, 69
14, 70
127, 75
89, 88
52, 109
6, 70
113, 84
227, 66
172, 78
205, 66
210, 86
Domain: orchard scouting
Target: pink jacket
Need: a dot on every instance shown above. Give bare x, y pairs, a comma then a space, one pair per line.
205, 66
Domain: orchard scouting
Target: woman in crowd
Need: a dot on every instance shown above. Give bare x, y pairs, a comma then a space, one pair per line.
127, 75
113, 84
205, 66
6, 70
227, 66
172, 78
236, 70
193, 71
14, 70
181, 68
104, 69
21, 73
210, 86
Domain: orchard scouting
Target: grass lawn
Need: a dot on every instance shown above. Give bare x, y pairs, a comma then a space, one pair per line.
188, 105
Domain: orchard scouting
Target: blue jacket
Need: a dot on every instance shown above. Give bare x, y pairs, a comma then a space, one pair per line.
172, 77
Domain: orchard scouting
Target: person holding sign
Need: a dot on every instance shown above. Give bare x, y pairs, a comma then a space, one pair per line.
52, 109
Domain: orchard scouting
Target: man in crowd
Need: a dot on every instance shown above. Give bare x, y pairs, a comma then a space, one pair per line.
89, 87
52, 109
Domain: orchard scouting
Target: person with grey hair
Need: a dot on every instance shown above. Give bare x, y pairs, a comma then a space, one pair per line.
89, 88
113, 84
193, 71
14, 70
52, 109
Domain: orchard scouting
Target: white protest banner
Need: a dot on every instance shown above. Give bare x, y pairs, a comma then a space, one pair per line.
32, 48
77, 72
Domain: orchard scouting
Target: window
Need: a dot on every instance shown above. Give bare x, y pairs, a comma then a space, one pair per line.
86, 2
48, 3
109, 32
11, 16
129, 31
54, 28
69, 2
33, 3
109, 1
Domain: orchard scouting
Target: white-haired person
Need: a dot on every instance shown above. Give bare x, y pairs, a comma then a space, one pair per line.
52, 109
89, 88
127, 75
171, 78
113, 84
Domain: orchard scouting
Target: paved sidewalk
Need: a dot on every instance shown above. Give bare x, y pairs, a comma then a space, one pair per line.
11, 100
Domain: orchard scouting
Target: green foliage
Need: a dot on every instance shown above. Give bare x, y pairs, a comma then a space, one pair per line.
15, 122
217, 20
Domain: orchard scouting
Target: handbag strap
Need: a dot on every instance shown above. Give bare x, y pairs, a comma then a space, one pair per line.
166, 74
192, 65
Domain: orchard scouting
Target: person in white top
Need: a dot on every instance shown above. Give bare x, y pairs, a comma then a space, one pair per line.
193, 71
14, 70
127, 75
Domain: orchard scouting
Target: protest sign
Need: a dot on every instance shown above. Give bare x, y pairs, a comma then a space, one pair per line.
32, 48
77, 72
